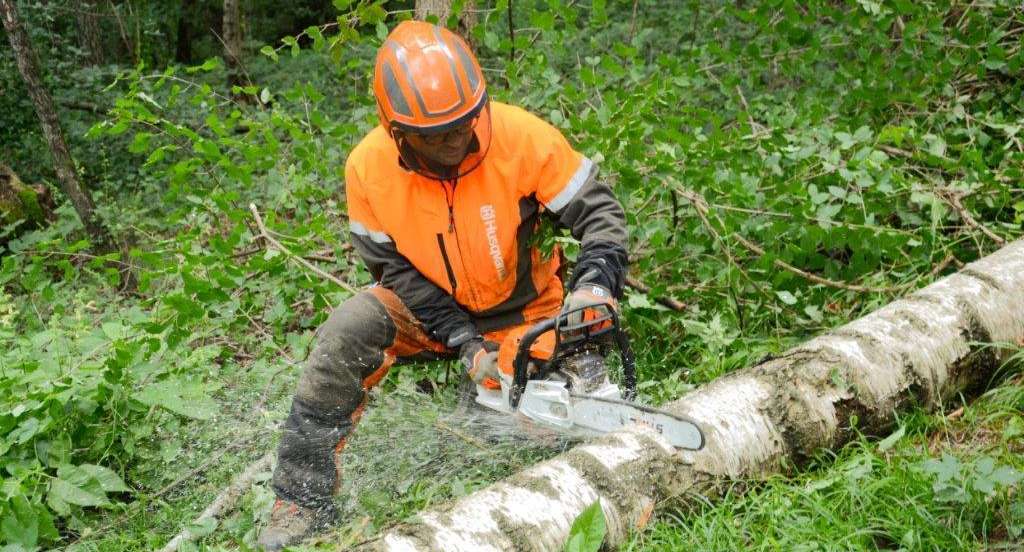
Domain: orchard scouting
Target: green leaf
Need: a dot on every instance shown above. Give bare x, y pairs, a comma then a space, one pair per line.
946, 469
862, 134
786, 297
185, 399
21, 525
107, 478
205, 527
556, 117
936, 145
27, 429
70, 493
207, 66
1006, 476
588, 530
209, 148
642, 301
891, 440
269, 52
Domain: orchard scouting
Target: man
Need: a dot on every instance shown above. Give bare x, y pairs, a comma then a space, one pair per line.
444, 198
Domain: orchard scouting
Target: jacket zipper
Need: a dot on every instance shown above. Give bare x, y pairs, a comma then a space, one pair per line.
447, 262
450, 198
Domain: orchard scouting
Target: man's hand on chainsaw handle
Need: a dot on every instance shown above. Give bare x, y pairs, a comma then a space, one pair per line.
480, 359
591, 285
584, 295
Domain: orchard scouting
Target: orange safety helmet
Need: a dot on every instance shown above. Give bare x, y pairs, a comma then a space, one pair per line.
427, 80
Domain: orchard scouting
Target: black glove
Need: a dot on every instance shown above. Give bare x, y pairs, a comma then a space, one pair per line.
603, 264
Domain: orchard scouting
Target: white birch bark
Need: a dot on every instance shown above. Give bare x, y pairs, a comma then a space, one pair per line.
924, 349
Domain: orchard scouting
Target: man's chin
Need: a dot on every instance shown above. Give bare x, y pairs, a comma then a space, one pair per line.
453, 160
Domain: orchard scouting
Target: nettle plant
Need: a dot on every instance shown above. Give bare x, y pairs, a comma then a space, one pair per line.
96, 381
961, 482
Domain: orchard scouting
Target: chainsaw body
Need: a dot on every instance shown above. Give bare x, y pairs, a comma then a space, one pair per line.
571, 391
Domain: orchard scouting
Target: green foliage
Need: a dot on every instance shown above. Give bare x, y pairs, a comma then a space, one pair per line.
956, 482
839, 137
587, 531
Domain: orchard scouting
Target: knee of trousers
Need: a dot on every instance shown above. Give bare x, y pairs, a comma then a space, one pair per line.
350, 346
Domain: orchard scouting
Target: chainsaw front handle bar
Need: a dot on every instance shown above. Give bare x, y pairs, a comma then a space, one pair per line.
568, 338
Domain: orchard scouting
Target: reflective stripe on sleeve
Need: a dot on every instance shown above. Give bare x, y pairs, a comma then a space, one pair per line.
360, 230
573, 186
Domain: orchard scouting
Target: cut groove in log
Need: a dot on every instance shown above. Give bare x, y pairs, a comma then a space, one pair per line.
923, 350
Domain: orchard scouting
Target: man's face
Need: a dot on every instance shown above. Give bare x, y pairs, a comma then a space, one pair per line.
447, 148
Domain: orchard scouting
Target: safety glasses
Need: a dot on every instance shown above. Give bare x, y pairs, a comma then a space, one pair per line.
452, 134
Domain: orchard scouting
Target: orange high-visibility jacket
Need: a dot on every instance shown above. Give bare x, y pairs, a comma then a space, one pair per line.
459, 253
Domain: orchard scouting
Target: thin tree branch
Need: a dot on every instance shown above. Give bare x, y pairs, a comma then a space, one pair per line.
670, 302
813, 277
632, 22
952, 198
511, 40
81, 106
198, 469
225, 501
277, 245
701, 205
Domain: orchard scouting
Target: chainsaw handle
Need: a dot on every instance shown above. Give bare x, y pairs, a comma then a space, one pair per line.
521, 364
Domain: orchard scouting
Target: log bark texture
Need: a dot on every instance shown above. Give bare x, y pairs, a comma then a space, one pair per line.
63, 164
922, 350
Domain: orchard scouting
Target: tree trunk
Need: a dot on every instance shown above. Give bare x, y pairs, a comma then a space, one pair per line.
91, 35
232, 35
922, 350
32, 206
63, 165
183, 49
443, 9
130, 52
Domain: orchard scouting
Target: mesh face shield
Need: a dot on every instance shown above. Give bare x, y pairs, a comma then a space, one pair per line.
479, 146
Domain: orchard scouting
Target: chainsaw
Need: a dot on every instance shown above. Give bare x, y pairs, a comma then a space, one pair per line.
571, 391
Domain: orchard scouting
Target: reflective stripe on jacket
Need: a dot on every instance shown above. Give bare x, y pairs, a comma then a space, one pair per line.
459, 252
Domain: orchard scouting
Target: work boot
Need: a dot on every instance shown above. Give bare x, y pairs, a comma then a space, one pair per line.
290, 524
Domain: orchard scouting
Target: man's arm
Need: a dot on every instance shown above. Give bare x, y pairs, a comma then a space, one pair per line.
595, 217
444, 319
570, 188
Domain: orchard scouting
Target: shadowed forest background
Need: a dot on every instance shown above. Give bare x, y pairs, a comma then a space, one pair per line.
785, 167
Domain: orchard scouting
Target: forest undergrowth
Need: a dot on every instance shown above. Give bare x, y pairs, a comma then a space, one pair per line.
785, 166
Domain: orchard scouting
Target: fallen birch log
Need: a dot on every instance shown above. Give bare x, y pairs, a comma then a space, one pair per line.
922, 350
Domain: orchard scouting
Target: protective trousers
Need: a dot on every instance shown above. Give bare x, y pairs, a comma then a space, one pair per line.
354, 349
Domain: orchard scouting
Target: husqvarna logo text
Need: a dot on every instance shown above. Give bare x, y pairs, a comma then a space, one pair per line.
491, 226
